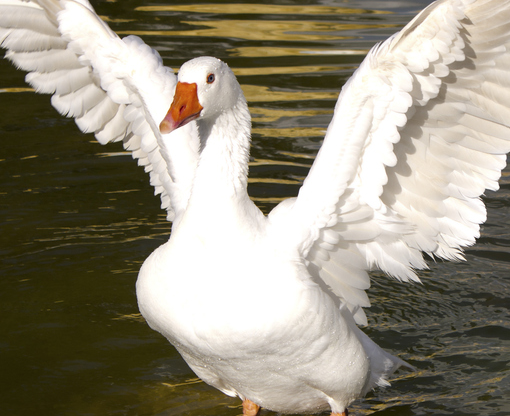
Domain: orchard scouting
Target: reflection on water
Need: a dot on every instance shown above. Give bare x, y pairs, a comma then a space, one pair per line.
79, 219
266, 25
290, 10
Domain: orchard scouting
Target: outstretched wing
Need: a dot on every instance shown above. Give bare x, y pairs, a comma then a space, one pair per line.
116, 88
419, 132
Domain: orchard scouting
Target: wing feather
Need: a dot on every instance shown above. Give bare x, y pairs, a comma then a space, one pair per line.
419, 132
117, 89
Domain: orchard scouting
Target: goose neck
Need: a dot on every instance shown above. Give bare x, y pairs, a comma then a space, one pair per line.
223, 164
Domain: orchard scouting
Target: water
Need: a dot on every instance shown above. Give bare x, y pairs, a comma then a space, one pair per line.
79, 219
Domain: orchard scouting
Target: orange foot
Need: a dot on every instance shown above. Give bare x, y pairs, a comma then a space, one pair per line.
250, 408
344, 413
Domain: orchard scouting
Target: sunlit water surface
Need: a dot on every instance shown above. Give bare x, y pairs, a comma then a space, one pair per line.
78, 220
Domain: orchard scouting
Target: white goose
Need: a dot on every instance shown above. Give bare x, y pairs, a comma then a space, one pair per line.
266, 308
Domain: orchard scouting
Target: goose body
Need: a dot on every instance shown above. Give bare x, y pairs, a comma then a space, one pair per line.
261, 324
266, 307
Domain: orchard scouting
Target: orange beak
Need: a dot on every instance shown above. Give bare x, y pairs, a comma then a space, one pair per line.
184, 108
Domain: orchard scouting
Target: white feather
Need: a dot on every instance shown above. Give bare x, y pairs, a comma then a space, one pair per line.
117, 89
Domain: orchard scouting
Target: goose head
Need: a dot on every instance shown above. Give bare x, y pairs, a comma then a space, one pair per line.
206, 88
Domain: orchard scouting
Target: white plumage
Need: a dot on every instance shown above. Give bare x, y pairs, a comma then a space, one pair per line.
265, 307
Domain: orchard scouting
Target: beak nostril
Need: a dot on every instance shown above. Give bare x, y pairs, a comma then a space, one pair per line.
182, 109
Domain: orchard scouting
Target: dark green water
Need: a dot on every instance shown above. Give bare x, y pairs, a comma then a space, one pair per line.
78, 220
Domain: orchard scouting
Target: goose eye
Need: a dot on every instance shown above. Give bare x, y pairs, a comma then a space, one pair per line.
210, 78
